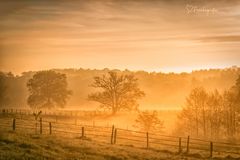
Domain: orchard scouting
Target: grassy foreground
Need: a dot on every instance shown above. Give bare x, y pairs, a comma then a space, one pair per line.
31, 146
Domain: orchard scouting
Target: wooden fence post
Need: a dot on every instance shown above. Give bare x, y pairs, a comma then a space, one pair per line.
112, 134
40, 125
50, 128
115, 136
83, 132
188, 144
147, 140
211, 149
180, 145
14, 124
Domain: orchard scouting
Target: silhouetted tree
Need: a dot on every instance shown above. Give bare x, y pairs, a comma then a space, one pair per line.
148, 121
215, 114
187, 121
230, 113
118, 92
236, 89
232, 110
196, 103
48, 89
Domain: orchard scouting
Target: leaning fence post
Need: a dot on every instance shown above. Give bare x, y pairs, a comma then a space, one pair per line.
115, 136
147, 140
40, 125
211, 149
188, 144
112, 134
180, 145
83, 132
14, 124
50, 128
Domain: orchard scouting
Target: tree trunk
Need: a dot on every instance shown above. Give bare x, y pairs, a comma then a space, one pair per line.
204, 122
196, 123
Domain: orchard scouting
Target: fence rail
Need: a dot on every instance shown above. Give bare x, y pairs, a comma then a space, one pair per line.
115, 135
70, 113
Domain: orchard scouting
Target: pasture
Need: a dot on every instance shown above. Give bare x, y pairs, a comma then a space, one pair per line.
65, 135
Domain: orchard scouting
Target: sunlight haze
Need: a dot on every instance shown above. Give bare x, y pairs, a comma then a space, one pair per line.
134, 35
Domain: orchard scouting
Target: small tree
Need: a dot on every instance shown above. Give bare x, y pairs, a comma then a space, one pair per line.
118, 92
47, 89
148, 121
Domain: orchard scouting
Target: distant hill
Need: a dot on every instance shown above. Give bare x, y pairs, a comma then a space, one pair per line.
163, 90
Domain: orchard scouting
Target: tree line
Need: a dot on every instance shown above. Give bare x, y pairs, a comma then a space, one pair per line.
158, 86
212, 114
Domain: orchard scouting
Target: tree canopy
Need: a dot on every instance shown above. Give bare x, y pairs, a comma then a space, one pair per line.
48, 89
212, 114
148, 121
162, 89
118, 92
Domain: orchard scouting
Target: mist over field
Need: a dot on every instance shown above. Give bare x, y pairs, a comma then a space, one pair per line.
119, 79
184, 111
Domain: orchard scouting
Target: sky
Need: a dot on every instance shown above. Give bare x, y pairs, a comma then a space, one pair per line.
150, 35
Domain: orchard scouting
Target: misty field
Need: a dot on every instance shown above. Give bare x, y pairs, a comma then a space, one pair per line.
30, 146
119, 79
65, 136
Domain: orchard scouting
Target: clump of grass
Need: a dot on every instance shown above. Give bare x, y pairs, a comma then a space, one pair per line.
7, 141
109, 157
6, 138
195, 155
34, 136
26, 145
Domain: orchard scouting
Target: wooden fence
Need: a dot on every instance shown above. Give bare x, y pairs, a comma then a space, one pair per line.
114, 135
70, 113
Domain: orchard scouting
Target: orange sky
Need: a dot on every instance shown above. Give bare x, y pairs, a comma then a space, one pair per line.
146, 35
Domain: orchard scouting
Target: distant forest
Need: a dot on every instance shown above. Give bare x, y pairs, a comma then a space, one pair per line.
163, 90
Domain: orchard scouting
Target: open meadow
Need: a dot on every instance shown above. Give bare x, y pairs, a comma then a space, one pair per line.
67, 136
